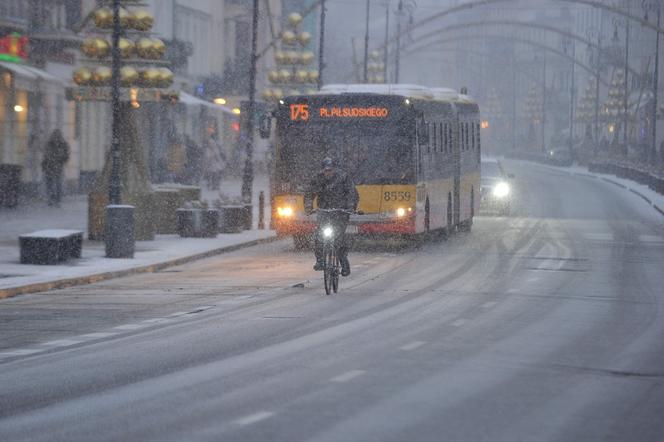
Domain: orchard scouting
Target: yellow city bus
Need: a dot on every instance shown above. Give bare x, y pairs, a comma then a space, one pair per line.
412, 151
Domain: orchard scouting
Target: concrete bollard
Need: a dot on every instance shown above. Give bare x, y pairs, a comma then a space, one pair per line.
119, 235
261, 211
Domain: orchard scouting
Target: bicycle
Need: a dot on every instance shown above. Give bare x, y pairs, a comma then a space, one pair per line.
332, 267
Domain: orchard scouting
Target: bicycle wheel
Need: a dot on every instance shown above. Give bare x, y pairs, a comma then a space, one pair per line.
335, 273
328, 271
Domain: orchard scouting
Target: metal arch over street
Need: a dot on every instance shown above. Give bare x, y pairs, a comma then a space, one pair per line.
476, 3
502, 37
520, 24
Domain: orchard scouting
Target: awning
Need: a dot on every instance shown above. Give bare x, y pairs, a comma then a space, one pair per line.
192, 100
29, 72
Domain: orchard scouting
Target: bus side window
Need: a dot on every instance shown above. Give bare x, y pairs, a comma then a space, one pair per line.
467, 137
440, 137
432, 143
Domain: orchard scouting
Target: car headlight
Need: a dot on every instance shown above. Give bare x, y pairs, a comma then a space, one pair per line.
501, 190
327, 232
285, 212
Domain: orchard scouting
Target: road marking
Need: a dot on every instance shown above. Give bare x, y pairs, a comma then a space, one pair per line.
62, 343
154, 320
412, 345
599, 236
253, 418
349, 375
20, 352
489, 304
650, 238
98, 335
459, 322
129, 326
176, 314
533, 279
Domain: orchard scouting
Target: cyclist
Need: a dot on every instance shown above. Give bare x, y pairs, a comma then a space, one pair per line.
333, 189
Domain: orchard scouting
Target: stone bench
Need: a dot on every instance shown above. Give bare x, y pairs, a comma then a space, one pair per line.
50, 246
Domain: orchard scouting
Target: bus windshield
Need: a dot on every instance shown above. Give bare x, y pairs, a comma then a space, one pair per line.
370, 152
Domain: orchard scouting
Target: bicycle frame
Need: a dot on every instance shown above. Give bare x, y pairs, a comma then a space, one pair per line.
330, 253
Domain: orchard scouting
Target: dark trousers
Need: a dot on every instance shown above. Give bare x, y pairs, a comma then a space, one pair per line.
53, 187
338, 222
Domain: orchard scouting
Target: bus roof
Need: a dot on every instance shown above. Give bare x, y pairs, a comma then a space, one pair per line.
405, 90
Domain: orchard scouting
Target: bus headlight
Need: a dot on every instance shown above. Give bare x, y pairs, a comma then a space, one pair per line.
501, 190
285, 212
401, 211
327, 232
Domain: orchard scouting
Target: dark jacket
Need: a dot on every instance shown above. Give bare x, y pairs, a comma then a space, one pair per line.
337, 192
56, 154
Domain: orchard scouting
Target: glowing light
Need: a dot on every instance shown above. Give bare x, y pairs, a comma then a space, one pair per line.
485, 124
327, 232
235, 126
285, 211
407, 101
611, 128
501, 190
18, 108
219, 100
236, 110
401, 212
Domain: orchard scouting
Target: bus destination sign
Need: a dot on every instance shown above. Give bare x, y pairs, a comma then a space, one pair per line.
305, 112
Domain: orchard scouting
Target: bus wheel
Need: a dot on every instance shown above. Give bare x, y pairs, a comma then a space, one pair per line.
301, 242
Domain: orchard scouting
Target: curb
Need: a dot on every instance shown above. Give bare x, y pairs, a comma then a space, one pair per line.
151, 268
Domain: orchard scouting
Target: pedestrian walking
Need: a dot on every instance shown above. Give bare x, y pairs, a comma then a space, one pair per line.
56, 156
215, 161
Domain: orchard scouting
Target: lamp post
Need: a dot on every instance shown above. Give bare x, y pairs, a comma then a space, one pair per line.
321, 46
650, 5
248, 175
566, 44
596, 33
623, 22
366, 45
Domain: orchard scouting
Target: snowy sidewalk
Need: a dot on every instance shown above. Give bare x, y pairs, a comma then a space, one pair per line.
149, 256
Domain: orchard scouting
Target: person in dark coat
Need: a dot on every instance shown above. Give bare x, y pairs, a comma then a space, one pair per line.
333, 189
56, 156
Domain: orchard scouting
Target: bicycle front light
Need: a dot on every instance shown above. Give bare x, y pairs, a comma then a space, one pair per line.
327, 232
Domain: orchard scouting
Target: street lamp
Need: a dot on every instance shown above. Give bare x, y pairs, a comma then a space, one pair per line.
623, 22
567, 42
130, 43
375, 68
292, 60
649, 6
594, 33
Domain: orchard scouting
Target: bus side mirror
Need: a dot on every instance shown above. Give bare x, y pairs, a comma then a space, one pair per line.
265, 126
